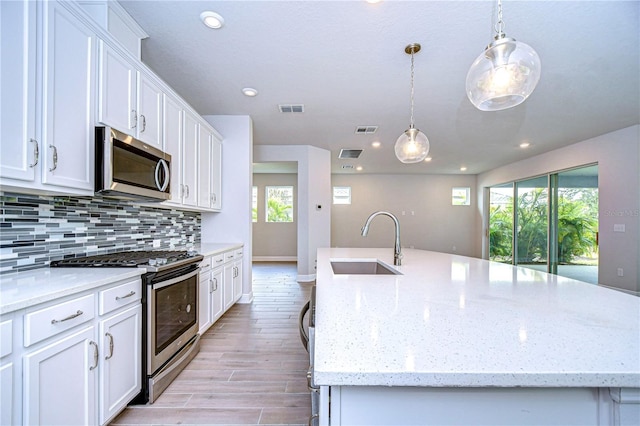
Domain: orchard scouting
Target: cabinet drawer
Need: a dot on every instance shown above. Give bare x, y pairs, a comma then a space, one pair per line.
217, 260
50, 321
6, 337
238, 253
205, 265
229, 255
121, 295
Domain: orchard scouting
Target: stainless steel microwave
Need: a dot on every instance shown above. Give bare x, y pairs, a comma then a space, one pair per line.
131, 169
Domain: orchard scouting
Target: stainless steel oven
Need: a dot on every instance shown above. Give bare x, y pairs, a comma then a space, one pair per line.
170, 338
171, 334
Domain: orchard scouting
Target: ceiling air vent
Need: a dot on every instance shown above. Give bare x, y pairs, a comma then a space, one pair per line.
348, 154
286, 108
347, 166
366, 130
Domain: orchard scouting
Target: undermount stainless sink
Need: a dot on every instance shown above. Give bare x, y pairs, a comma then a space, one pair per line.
361, 267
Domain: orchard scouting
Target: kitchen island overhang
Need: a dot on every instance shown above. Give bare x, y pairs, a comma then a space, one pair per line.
450, 322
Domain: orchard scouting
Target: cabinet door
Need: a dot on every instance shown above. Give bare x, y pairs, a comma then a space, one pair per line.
172, 136
237, 279
217, 304
117, 88
69, 50
121, 354
6, 394
228, 285
204, 301
204, 169
149, 111
19, 146
60, 381
190, 159
216, 173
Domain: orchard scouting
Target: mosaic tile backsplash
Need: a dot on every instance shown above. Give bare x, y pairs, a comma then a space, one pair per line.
34, 230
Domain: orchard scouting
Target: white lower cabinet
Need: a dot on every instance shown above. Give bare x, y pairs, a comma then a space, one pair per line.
220, 286
217, 305
204, 296
80, 359
120, 361
60, 381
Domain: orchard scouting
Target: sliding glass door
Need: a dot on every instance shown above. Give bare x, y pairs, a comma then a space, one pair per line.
548, 223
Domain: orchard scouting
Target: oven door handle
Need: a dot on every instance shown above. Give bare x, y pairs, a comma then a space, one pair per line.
173, 281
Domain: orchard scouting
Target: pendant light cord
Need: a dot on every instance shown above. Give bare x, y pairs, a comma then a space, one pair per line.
411, 123
499, 27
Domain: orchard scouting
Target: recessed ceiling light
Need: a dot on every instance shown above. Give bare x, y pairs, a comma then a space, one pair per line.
359, 168
376, 144
250, 91
373, 1
463, 169
212, 19
524, 145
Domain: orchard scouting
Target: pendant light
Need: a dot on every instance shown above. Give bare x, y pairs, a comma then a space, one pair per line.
505, 74
412, 146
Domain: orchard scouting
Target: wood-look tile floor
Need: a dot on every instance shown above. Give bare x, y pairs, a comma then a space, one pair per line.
251, 369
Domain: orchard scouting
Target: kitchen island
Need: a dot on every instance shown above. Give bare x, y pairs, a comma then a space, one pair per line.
459, 340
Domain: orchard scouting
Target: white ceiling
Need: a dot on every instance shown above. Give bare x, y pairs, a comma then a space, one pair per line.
345, 61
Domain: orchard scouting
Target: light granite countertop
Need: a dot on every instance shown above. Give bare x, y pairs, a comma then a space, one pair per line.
455, 321
29, 288
22, 290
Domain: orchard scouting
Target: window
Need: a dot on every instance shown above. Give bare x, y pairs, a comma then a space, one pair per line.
279, 206
460, 196
341, 195
254, 204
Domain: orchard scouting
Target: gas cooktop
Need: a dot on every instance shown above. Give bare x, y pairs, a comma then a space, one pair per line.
152, 260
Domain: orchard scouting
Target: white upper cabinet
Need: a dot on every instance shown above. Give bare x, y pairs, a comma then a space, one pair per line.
204, 169
209, 175
116, 106
216, 173
68, 92
129, 100
190, 159
56, 153
149, 125
20, 147
172, 135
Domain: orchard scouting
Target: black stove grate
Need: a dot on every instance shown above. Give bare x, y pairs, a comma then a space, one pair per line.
127, 259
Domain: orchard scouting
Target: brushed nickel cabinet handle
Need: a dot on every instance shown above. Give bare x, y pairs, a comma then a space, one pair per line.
72, 316
36, 153
55, 158
144, 123
110, 336
95, 355
131, 293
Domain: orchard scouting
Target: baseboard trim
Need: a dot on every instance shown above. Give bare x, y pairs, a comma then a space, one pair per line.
246, 298
306, 278
274, 258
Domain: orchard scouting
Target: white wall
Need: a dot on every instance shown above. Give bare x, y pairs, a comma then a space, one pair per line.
422, 204
314, 189
275, 241
618, 157
233, 223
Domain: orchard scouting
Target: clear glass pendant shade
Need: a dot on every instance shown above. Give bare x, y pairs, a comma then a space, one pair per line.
412, 146
503, 76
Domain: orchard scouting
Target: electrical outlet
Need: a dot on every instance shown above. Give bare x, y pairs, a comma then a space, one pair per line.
156, 243
620, 272
618, 227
